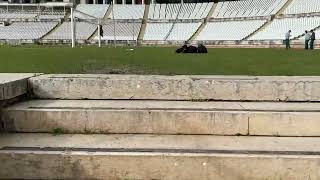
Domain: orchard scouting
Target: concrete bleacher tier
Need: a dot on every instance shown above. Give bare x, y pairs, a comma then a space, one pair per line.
182, 31
303, 6
30, 12
16, 14
122, 31
26, 30
49, 13
229, 30
179, 11
247, 8
164, 11
194, 10
157, 31
159, 127
278, 27
127, 11
63, 32
91, 11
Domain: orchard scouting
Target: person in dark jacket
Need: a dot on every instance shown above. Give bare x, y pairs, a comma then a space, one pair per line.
101, 30
192, 49
312, 39
183, 48
187, 48
202, 48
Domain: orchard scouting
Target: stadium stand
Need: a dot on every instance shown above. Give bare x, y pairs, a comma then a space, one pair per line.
179, 11
194, 10
228, 22
18, 12
35, 11
182, 31
51, 13
17, 15
122, 31
164, 11
277, 28
128, 11
247, 8
303, 6
26, 30
157, 31
229, 30
95, 10
63, 32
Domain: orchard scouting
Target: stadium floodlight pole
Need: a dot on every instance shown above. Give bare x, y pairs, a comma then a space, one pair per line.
72, 29
99, 33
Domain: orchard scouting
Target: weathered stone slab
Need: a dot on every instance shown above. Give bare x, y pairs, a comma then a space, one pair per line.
13, 84
114, 157
285, 124
298, 145
164, 117
247, 88
166, 166
124, 117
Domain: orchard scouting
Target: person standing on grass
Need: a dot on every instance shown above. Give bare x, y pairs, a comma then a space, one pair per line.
287, 39
306, 40
101, 30
312, 39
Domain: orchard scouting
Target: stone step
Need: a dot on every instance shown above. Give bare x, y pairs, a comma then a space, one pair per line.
13, 85
166, 157
236, 88
163, 117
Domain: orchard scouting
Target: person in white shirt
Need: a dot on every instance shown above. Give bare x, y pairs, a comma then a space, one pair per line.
287, 39
307, 36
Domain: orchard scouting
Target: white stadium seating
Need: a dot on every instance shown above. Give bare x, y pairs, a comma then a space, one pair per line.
303, 6
179, 11
122, 31
229, 30
10, 15
183, 31
83, 31
30, 12
247, 8
157, 31
49, 13
17, 12
127, 11
278, 28
95, 10
48, 16
194, 10
164, 11
26, 30
236, 20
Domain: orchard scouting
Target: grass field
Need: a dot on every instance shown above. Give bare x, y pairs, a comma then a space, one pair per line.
156, 60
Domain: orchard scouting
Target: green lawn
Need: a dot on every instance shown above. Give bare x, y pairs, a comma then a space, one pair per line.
156, 60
